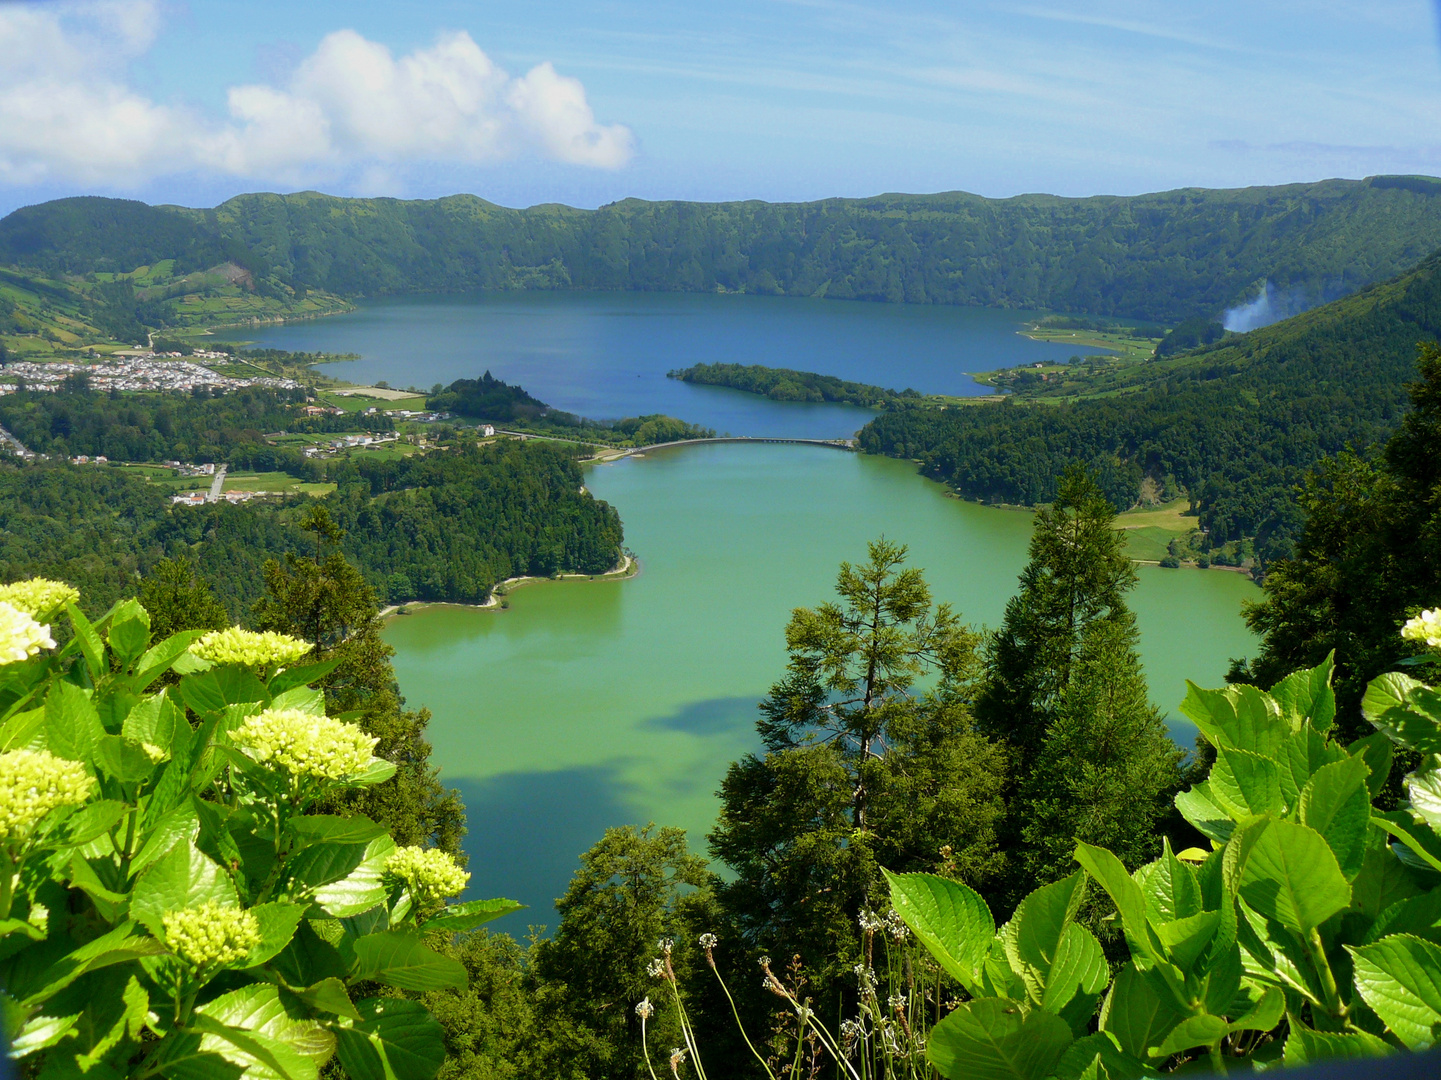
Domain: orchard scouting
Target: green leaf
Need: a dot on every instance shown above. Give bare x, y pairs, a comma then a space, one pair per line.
1201, 810
1400, 978
1125, 893
1307, 695
1037, 929
403, 961
1238, 717
304, 675
1139, 1011
1201, 1030
475, 913
310, 959
1423, 788
1265, 1014
1079, 966
262, 1009
1337, 804
1100, 1046
154, 721
161, 657
123, 759
1405, 709
363, 888
1378, 752
395, 1039
1185, 939
1245, 784
180, 825
995, 1039
329, 995
1300, 756
183, 878
72, 726
118, 946
1416, 915
1423, 844
1171, 888
129, 634
277, 926
317, 828
89, 641
377, 772
1307, 1047
211, 691
262, 1057
1383, 881
41, 1032
1291, 875
22, 729
92, 820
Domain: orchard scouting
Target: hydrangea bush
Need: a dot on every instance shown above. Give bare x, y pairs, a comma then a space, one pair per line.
168, 905
1309, 928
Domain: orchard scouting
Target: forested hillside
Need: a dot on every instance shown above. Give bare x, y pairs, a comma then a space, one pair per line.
445, 526
1163, 257
1237, 424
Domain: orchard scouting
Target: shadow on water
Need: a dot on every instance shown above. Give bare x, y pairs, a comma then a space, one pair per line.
528, 831
715, 716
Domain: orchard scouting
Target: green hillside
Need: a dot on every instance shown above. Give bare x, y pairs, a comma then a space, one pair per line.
1163, 256
1235, 423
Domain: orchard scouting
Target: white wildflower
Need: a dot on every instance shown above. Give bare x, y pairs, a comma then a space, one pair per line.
665, 945
249, 648
645, 1010
306, 744
211, 934
896, 926
35, 782
40, 598
868, 921
427, 870
1425, 628
804, 1013
677, 1059
21, 637
897, 1002
708, 941
656, 968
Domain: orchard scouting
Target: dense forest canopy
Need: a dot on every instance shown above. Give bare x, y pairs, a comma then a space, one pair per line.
784, 384
1165, 256
444, 526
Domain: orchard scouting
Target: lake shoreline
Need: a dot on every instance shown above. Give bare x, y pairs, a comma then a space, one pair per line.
628, 568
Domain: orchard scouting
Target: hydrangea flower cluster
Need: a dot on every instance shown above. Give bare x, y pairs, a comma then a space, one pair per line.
35, 782
1425, 628
21, 637
40, 598
427, 870
211, 933
319, 747
250, 648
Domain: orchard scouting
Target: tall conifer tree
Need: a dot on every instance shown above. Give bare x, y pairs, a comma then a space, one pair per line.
1064, 686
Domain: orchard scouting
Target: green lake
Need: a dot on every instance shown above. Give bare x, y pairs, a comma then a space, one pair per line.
590, 704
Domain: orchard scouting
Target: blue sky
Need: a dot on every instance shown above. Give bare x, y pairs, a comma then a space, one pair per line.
583, 102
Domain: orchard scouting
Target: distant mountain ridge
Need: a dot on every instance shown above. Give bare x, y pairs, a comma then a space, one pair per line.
1161, 257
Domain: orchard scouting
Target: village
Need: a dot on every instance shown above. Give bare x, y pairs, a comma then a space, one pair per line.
133, 371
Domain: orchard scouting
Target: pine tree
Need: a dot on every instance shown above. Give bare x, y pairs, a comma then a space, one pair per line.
1106, 770
1064, 687
178, 600
860, 769
1077, 576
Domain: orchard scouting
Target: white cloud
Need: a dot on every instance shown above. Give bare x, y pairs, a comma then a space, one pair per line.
67, 111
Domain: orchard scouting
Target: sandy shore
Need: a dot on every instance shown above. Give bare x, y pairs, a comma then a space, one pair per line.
628, 568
